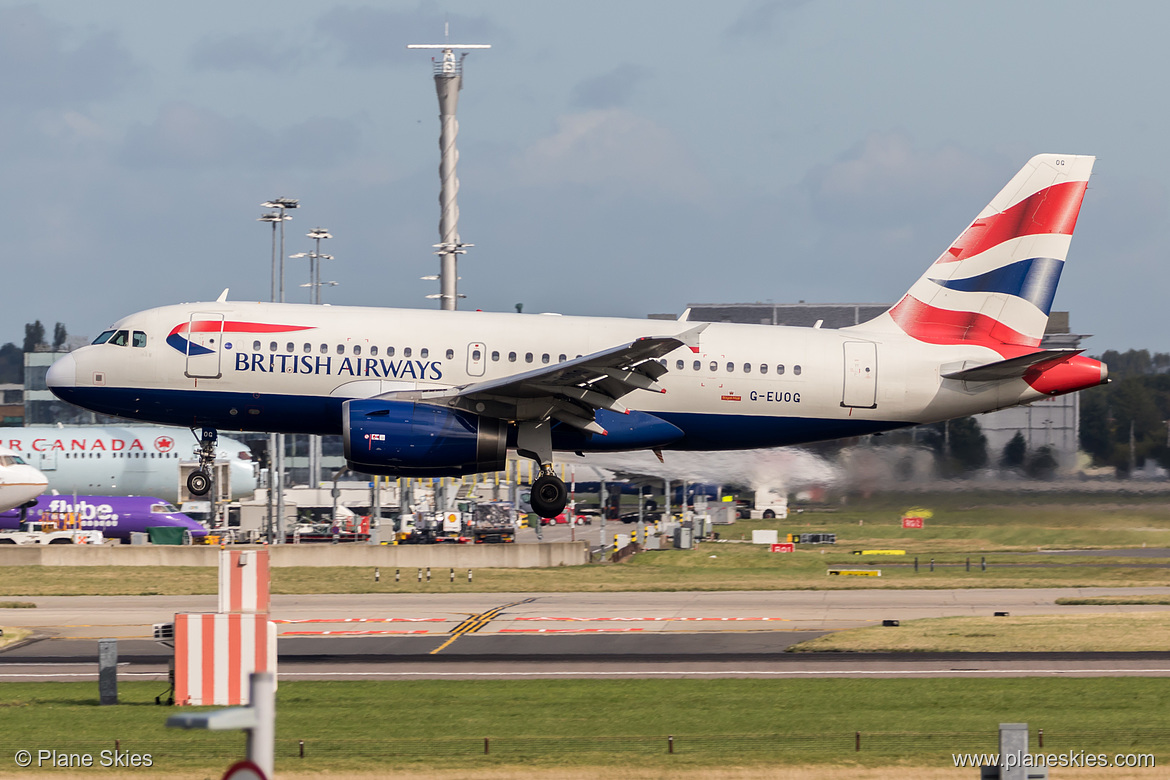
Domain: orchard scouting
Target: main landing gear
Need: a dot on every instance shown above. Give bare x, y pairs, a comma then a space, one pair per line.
199, 481
549, 495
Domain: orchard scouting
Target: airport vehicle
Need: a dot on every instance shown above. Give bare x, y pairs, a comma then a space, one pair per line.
19, 482
114, 516
48, 532
122, 460
493, 522
442, 393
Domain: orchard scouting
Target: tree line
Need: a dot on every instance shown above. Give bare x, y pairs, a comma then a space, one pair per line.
35, 340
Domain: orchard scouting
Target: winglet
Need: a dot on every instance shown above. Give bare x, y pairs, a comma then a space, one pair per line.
685, 316
223, 296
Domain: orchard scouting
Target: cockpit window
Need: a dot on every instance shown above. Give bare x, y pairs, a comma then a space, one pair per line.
139, 339
160, 509
104, 337
121, 338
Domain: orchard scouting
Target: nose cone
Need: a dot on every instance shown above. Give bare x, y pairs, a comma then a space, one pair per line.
19, 485
63, 373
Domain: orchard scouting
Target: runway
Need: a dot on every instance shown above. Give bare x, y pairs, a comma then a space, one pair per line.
584, 635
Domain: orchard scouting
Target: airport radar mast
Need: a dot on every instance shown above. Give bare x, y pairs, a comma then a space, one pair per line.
448, 81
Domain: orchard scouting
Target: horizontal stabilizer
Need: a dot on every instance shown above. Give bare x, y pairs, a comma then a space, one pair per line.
1012, 368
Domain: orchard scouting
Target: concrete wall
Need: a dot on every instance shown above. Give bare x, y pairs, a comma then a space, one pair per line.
459, 556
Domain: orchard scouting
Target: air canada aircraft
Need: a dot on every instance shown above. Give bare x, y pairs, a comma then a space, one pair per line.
441, 393
120, 460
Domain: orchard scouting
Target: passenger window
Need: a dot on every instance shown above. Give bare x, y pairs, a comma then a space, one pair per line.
357, 349
373, 351
103, 337
527, 357
255, 346
698, 365
561, 358
763, 368
308, 347
289, 347
424, 353
544, 358
796, 370
511, 357
780, 369
139, 338
451, 354
731, 368
340, 349
495, 356
272, 346
389, 351
679, 365
324, 349
476, 355
120, 338
747, 368
714, 366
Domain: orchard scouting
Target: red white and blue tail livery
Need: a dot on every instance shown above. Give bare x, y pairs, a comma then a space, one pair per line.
442, 393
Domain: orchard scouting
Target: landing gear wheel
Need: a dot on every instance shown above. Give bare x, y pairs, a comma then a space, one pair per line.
198, 483
548, 497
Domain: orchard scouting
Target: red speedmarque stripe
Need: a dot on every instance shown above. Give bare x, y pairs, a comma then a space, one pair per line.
1052, 210
943, 326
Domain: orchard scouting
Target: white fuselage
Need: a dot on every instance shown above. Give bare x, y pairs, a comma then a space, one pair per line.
288, 367
19, 481
121, 460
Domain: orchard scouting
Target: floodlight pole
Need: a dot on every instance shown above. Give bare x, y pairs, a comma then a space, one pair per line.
448, 82
276, 441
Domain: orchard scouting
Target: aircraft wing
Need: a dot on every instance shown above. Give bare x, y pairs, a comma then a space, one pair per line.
1012, 368
570, 391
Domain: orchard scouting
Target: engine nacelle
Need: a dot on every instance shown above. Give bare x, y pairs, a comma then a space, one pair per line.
405, 439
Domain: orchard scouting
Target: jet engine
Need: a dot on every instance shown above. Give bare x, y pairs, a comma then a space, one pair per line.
404, 439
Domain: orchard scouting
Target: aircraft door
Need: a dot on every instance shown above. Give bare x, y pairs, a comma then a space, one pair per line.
860, 389
204, 342
48, 461
476, 358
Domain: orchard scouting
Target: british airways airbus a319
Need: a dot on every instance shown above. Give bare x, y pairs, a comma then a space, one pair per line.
439, 393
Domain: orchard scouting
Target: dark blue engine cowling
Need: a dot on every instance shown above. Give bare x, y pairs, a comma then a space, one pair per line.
400, 438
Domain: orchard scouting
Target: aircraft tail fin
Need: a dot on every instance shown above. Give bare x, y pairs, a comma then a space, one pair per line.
995, 284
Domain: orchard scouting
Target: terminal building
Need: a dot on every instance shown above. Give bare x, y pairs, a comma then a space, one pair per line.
1051, 422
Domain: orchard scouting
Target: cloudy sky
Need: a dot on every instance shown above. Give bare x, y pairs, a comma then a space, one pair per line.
616, 158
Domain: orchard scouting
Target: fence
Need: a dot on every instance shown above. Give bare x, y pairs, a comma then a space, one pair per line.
209, 748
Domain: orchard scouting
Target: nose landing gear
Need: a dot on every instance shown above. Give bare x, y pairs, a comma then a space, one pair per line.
199, 481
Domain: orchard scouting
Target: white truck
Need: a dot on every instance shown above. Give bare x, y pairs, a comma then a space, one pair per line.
38, 532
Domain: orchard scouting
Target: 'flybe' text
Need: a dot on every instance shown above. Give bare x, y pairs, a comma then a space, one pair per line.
326, 364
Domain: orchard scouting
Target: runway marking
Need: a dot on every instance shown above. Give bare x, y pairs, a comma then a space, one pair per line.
367, 620
707, 673
565, 630
476, 622
350, 633
662, 619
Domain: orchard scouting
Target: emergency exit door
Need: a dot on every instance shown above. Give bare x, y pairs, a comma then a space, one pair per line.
860, 390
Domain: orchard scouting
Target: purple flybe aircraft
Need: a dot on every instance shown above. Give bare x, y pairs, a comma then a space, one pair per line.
115, 516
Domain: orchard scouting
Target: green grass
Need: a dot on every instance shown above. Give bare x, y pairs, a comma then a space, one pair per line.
382, 725
1113, 600
17, 605
1080, 633
1006, 530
